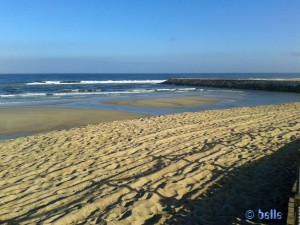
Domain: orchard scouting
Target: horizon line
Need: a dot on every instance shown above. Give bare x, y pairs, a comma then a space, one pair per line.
42, 73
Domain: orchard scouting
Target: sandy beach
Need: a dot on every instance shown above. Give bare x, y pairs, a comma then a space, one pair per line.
23, 120
206, 167
166, 102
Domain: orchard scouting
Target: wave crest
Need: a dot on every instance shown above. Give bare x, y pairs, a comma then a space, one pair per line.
97, 82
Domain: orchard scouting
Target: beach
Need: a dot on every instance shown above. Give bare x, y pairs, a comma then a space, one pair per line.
179, 102
206, 167
32, 120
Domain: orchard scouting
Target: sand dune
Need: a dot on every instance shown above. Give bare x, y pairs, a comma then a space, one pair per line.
192, 168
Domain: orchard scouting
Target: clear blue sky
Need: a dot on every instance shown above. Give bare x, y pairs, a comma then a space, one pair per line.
149, 36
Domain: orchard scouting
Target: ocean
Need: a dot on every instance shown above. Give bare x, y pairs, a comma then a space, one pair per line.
89, 91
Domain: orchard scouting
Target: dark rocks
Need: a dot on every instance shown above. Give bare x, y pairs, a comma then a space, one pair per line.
264, 85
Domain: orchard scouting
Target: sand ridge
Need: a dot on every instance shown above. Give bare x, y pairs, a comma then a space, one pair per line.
191, 168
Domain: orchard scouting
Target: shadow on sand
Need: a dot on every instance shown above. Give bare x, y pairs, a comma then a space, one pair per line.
264, 184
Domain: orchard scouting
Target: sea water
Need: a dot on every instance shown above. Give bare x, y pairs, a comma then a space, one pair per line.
90, 91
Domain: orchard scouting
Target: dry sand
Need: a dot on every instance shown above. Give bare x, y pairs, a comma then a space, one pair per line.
192, 168
21, 120
166, 102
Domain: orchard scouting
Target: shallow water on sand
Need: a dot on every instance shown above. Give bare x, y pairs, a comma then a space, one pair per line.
89, 91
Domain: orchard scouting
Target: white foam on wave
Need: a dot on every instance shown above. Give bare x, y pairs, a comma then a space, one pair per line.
45, 83
186, 89
69, 94
7, 103
176, 89
74, 92
79, 90
23, 95
97, 82
77, 93
225, 90
165, 89
141, 91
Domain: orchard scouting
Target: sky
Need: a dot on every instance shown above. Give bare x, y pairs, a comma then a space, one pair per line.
155, 36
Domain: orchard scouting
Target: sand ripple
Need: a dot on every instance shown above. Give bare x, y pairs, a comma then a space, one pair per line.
191, 168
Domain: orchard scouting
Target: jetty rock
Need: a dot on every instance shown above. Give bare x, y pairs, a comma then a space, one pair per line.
284, 85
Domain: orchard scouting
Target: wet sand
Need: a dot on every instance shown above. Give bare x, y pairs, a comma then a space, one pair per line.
166, 102
207, 167
25, 120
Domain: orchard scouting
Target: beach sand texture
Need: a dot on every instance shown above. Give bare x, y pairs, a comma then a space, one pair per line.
206, 167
